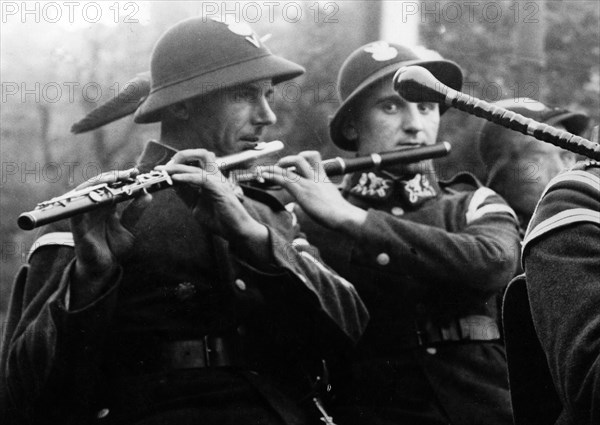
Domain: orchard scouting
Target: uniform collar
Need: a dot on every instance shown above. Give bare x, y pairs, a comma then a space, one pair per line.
382, 186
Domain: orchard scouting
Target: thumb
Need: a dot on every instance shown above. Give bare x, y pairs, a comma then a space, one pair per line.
134, 211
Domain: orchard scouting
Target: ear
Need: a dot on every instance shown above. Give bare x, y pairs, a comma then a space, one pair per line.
180, 110
349, 130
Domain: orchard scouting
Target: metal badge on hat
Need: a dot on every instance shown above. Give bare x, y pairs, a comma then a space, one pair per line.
381, 51
242, 29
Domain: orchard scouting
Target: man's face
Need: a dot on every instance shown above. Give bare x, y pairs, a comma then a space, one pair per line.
234, 119
384, 121
528, 166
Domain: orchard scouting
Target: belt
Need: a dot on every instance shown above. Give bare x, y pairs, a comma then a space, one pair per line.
210, 351
159, 355
468, 328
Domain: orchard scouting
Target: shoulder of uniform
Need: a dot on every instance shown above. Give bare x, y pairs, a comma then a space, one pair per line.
483, 200
52, 238
569, 198
274, 196
462, 182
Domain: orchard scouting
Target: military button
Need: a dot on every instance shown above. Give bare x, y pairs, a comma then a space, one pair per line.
185, 291
431, 351
240, 284
102, 413
397, 211
383, 259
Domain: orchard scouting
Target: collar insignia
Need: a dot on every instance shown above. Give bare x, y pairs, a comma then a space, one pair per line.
371, 186
242, 29
418, 189
381, 51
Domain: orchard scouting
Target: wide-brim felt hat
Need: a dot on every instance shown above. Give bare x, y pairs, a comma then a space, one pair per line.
372, 63
198, 56
491, 146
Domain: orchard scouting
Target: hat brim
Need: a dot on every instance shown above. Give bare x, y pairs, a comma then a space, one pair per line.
574, 122
447, 72
265, 67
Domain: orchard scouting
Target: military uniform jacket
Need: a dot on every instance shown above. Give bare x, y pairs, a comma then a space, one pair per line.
428, 262
553, 321
180, 283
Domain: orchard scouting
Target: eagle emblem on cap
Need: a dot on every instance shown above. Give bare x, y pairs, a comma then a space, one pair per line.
242, 29
381, 51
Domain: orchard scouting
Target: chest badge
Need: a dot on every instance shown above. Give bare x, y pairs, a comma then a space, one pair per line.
418, 189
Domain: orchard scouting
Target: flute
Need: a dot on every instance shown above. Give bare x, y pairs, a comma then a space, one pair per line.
77, 202
94, 197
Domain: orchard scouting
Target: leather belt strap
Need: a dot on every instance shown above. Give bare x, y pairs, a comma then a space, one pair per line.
468, 328
210, 351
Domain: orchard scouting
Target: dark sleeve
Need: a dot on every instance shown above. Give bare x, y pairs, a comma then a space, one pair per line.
562, 265
563, 274
299, 279
49, 346
482, 255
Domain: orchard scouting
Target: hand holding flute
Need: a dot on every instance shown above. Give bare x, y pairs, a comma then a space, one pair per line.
318, 196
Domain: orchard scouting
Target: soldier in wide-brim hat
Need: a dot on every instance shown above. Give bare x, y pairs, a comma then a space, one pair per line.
199, 304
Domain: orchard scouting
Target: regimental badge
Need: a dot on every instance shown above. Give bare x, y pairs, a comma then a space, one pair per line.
371, 186
381, 51
242, 29
418, 189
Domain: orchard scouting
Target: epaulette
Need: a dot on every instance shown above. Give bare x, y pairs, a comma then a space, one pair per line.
462, 182
51, 239
571, 197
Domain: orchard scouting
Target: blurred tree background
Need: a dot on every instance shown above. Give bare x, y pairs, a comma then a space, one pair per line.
53, 73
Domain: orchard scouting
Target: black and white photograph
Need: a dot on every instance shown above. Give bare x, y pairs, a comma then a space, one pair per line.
300, 212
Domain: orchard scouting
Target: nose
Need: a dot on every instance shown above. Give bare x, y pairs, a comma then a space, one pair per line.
263, 114
411, 119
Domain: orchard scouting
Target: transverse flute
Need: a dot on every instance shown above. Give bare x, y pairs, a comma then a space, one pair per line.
90, 198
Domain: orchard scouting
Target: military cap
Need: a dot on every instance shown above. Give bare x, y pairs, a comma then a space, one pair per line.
370, 64
491, 147
200, 55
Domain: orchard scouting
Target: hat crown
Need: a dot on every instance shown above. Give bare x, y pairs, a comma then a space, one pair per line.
492, 146
198, 56
198, 45
367, 60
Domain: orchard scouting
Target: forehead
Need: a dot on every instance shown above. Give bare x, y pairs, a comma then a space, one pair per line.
259, 85
229, 94
379, 90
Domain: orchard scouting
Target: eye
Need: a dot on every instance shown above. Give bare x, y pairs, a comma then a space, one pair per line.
389, 107
427, 107
245, 94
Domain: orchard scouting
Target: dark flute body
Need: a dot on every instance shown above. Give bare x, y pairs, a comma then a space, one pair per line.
94, 197
417, 84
